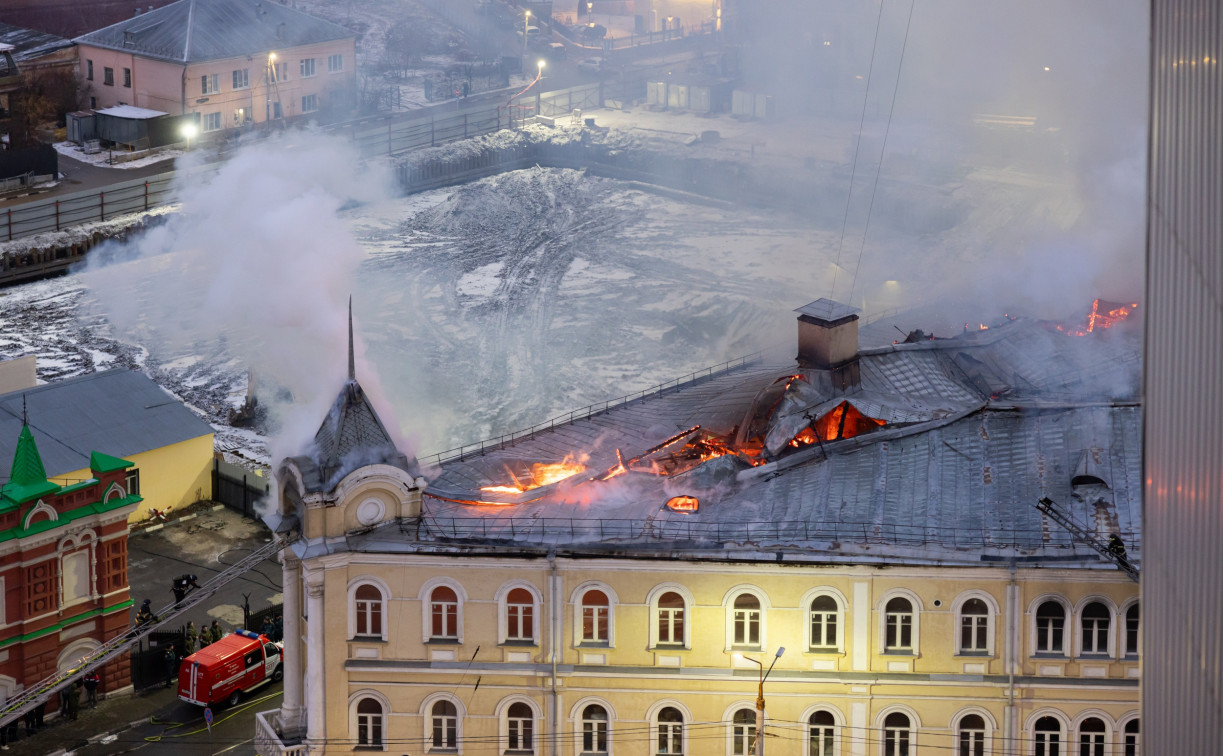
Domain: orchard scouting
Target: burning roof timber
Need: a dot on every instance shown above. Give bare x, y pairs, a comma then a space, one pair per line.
936, 449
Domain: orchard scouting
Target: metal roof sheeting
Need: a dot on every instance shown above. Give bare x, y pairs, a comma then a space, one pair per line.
953, 475
119, 412
191, 31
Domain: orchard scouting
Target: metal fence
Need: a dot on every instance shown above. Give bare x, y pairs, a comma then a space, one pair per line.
236, 488
148, 661
67, 210
583, 530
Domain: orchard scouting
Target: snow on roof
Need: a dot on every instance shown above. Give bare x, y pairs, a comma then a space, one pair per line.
200, 30
27, 44
131, 111
975, 429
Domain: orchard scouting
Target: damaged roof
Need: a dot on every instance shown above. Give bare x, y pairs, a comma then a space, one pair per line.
29, 44
941, 453
191, 31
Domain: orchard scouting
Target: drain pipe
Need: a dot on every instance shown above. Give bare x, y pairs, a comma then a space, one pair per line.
1012, 636
554, 617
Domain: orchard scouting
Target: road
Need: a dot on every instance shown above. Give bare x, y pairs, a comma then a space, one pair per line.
179, 728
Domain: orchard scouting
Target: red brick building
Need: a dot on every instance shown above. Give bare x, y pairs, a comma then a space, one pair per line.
63, 567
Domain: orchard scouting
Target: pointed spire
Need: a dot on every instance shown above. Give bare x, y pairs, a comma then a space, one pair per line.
352, 362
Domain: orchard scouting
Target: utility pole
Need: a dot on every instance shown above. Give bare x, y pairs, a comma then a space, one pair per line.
764, 675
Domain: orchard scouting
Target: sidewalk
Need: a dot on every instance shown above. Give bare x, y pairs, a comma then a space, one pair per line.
112, 716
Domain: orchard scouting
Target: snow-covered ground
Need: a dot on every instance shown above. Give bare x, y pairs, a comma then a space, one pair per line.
106, 159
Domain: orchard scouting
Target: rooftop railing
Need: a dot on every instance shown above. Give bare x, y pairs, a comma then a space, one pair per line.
590, 410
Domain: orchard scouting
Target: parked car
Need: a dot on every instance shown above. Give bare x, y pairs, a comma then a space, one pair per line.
532, 33
591, 65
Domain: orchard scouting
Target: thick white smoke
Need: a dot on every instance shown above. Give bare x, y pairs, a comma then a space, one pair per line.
258, 267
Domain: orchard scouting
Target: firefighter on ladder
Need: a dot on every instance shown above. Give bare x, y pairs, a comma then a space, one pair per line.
1116, 547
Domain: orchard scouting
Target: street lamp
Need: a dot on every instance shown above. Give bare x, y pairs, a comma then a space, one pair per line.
764, 675
541, 63
526, 24
188, 132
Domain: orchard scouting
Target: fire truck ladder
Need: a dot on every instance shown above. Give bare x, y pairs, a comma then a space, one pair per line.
1049, 507
42, 691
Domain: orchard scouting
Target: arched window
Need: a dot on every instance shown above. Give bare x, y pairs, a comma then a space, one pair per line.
1047, 736
971, 735
745, 620
520, 722
520, 616
369, 724
368, 610
897, 731
974, 627
821, 734
898, 626
824, 613
1050, 628
1130, 740
594, 730
596, 610
1095, 621
670, 732
1131, 631
1092, 733
671, 619
444, 607
444, 718
743, 732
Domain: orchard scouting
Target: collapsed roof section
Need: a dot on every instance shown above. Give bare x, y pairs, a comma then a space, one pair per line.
937, 449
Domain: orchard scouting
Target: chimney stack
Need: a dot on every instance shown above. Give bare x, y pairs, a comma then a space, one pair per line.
828, 340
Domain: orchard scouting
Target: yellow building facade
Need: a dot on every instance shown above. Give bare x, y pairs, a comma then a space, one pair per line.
609, 615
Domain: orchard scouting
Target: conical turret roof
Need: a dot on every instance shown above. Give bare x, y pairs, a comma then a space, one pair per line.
28, 479
352, 435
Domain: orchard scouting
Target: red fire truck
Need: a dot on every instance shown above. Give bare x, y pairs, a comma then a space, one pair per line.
230, 667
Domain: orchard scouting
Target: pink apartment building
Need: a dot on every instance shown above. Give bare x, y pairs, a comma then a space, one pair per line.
233, 62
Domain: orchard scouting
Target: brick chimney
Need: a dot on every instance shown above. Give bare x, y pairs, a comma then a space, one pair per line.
828, 340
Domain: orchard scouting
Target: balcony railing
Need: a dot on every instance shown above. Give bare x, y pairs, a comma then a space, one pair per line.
268, 743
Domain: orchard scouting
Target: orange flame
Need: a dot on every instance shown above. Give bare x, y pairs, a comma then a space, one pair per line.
683, 503
541, 474
1103, 315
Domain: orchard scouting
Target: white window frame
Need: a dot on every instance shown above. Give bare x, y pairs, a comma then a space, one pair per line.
425, 597
838, 720
577, 723
842, 606
1064, 742
652, 717
1110, 646
354, 723
1135, 719
384, 591
1034, 631
880, 731
991, 727
502, 713
1123, 631
1110, 731
991, 623
576, 599
335, 63
732, 731
310, 99
426, 714
657, 592
728, 607
307, 67
882, 625
503, 613
241, 78
210, 84
211, 122
86, 542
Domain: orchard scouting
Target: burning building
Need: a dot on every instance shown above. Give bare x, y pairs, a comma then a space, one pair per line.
612, 581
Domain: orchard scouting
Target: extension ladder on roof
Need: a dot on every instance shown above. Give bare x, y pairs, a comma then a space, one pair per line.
1050, 508
42, 691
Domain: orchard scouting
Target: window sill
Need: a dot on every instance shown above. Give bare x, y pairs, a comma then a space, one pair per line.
519, 644
669, 647
1094, 657
443, 642
367, 639
1050, 656
900, 652
594, 644
825, 651
974, 655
